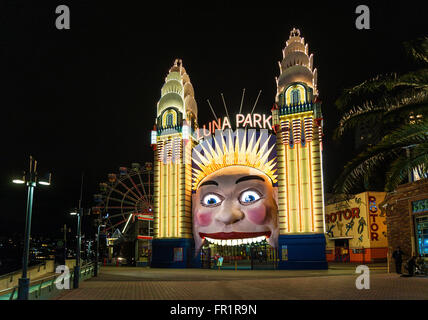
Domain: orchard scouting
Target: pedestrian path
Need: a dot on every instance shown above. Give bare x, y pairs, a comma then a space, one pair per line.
122, 283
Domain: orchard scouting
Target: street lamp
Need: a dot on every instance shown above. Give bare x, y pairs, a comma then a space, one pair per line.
31, 180
79, 214
98, 248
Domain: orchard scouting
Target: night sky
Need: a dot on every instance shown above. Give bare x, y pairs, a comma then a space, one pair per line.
84, 99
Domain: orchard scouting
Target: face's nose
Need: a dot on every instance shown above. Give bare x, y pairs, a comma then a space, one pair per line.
229, 214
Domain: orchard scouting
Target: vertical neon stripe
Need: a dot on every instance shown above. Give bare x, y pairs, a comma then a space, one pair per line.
298, 187
177, 185
160, 199
286, 186
322, 188
167, 198
310, 184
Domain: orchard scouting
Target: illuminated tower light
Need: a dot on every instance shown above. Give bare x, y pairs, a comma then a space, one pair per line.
297, 131
285, 126
185, 132
308, 128
154, 137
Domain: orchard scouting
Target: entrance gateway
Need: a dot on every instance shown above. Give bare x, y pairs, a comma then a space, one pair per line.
250, 195
240, 257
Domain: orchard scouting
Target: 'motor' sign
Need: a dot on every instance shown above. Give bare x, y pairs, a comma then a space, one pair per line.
344, 214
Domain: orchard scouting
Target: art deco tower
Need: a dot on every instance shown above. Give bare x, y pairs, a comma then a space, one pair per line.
176, 119
298, 122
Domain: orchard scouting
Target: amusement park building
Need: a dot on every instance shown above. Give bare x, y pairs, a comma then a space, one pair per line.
290, 161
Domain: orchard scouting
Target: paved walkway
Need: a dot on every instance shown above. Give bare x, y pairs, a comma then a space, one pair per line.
125, 283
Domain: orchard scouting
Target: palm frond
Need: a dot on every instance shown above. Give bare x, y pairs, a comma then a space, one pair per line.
402, 165
388, 111
355, 171
418, 49
384, 86
390, 147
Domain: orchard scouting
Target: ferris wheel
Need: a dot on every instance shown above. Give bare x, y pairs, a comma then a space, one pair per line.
126, 197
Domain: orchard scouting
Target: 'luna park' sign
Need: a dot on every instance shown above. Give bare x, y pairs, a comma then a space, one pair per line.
251, 120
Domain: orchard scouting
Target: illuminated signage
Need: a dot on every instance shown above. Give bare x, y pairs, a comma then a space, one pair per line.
345, 214
373, 215
420, 206
250, 120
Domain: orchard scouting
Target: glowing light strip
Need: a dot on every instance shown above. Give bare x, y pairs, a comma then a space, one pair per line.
168, 199
129, 219
159, 217
322, 189
298, 187
294, 190
177, 192
286, 186
146, 219
310, 184
144, 237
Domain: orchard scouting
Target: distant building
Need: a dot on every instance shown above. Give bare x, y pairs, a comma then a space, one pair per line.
366, 133
356, 229
406, 212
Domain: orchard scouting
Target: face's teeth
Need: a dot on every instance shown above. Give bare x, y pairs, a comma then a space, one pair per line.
234, 242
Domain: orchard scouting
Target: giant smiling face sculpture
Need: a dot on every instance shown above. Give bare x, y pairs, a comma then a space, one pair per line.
235, 202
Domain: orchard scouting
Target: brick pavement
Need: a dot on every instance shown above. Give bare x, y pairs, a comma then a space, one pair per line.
197, 284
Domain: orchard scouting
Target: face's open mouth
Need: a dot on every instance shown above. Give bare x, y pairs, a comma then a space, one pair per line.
235, 238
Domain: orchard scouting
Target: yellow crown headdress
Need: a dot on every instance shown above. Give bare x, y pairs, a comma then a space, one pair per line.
246, 151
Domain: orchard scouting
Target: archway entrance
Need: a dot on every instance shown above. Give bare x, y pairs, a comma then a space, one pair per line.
239, 257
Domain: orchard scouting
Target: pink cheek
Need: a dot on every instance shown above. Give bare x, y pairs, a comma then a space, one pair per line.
257, 215
204, 218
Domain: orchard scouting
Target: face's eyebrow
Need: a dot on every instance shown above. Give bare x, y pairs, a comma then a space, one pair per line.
249, 178
207, 183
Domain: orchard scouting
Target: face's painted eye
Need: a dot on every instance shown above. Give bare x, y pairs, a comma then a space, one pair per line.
249, 196
211, 200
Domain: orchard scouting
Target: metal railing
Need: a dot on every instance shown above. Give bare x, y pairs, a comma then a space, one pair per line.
48, 285
18, 272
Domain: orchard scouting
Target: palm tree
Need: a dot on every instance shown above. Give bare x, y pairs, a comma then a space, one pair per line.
399, 105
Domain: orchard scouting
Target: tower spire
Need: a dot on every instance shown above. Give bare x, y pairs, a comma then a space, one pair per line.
297, 64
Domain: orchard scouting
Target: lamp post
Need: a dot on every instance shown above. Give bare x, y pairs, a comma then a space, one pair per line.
97, 252
79, 214
31, 180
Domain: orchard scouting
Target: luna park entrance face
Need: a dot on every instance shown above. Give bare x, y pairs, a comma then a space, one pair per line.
253, 256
